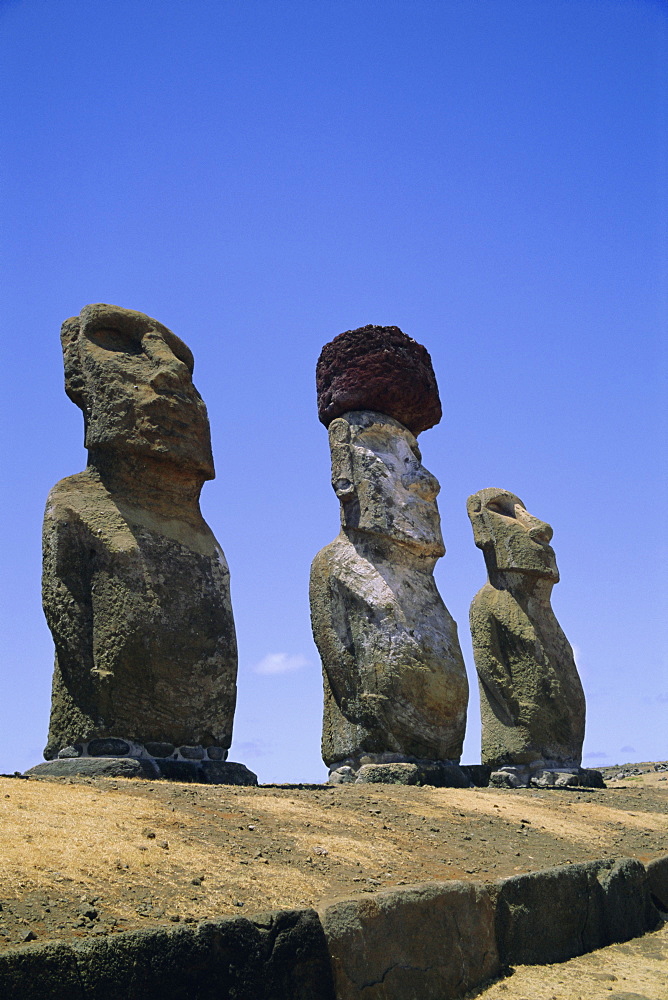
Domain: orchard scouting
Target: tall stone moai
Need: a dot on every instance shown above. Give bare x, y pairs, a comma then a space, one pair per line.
136, 589
395, 687
531, 699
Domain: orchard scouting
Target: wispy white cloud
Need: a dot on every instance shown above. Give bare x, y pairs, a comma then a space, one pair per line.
259, 748
280, 663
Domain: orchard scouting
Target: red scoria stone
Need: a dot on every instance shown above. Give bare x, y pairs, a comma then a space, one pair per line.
378, 368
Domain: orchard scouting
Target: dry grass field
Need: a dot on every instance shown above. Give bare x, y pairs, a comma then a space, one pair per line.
81, 857
636, 970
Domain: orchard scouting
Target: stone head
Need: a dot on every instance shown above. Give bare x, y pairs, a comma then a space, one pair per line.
132, 377
378, 476
510, 537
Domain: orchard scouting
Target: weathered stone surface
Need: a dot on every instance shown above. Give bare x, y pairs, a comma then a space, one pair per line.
552, 915
394, 677
280, 956
531, 699
160, 749
96, 767
135, 586
179, 770
41, 972
421, 772
657, 878
591, 778
442, 775
342, 776
505, 779
378, 368
227, 772
388, 774
541, 774
433, 941
583, 777
626, 903
108, 748
478, 774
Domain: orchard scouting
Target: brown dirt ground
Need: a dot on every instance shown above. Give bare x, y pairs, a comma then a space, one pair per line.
82, 857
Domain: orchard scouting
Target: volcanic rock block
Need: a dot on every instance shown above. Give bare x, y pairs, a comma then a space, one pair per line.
393, 673
419, 772
135, 586
274, 956
432, 941
555, 914
378, 368
657, 877
531, 699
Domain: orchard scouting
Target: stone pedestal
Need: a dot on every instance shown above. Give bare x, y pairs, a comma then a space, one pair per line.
393, 769
546, 777
210, 772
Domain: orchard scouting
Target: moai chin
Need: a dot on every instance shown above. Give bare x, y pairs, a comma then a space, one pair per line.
395, 686
531, 699
135, 586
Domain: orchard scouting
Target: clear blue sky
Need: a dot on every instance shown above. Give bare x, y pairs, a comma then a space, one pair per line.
260, 175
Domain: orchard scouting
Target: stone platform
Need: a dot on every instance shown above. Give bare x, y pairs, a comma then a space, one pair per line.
210, 772
546, 777
395, 769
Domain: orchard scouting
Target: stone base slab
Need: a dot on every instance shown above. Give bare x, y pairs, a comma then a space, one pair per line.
209, 772
524, 776
433, 941
401, 771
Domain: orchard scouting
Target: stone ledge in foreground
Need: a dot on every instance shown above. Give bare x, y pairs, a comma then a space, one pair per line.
280, 956
434, 940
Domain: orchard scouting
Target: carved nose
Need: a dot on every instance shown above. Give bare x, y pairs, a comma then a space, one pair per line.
540, 531
422, 483
169, 377
170, 373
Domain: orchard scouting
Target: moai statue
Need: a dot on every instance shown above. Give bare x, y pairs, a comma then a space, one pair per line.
531, 699
395, 687
136, 588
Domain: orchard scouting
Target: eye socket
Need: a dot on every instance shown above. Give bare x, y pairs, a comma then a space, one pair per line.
115, 340
497, 507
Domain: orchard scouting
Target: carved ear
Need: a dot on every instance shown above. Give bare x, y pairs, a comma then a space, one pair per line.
342, 463
74, 380
481, 534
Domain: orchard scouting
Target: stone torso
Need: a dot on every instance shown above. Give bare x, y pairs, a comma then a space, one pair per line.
393, 672
532, 702
139, 607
